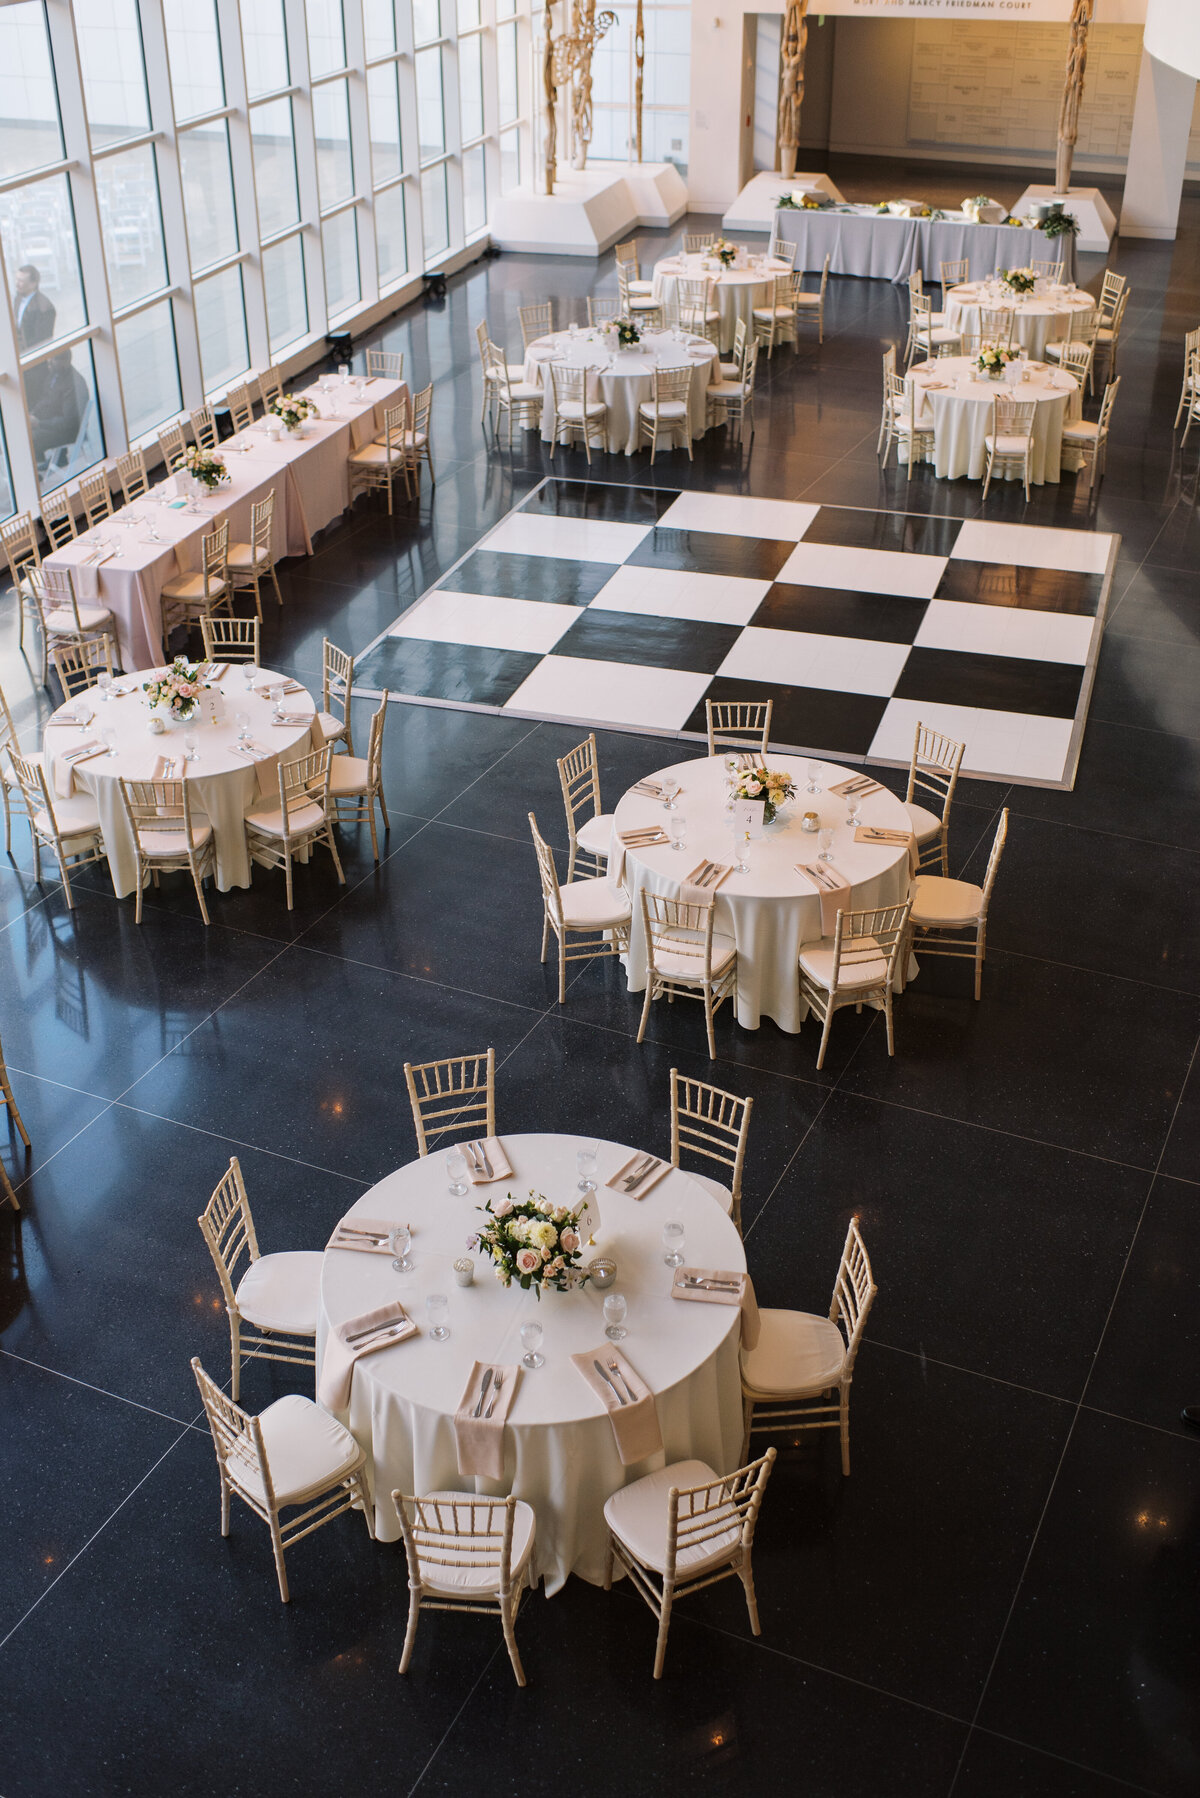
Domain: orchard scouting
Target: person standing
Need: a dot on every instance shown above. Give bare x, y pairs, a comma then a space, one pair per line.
35, 314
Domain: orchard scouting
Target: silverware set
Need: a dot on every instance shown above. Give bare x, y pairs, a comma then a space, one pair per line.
377, 1333
700, 1283
378, 1237
820, 877
477, 1155
862, 785
611, 1383
708, 875
493, 1377
640, 1171
635, 839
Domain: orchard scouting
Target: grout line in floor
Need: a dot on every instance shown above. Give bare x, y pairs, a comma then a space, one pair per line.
118, 1398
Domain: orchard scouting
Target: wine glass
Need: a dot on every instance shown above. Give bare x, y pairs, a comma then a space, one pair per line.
672, 1235
678, 831
614, 1315
814, 785
401, 1241
585, 1161
249, 670
531, 1342
104, 682
670, 786
242, 720
191, 747
742, 864
854, 810
456, 1173
108, 737
437, 1305
825, 838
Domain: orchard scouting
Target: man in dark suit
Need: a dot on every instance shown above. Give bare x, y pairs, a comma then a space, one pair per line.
35, 314
58, 410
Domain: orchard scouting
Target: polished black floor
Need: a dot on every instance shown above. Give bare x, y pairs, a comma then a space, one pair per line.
1001, 1600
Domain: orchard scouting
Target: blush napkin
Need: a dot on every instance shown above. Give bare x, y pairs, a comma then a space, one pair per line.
693, 894
656, 1172
480, 1440
337, 1368
875, 833
493, 1148
65, 764
634, 1423
832, 898
647, 836
345, 1237
861, 784
751, 1323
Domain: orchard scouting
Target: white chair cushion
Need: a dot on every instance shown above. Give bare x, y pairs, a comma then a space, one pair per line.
938, 335
814, 299
796, 1353
767, 313
189, 587
1084, 430
281, 1292
172, 843
1009, 446
331, 727
573, 409
455, 1581
636, 305
91, 618
639, 287
522, 390
637, 1515
817, 962
306, 1450
925, 825
667, 409
727, 390
375, 455
76, 817
721, 1194
245, 555
1055, 350
681, 965
729, 371
516, 375
593, 904
945, 904
596, 835
349, 775
267, 817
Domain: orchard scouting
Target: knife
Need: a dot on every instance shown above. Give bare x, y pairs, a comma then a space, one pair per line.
487, 1380
362, 1336
617, 1395
714, 1285
488, 1169
365, 1235
638, 1172
468, 1149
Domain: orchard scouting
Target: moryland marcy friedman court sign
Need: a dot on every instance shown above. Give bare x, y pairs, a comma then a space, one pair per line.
1042, 11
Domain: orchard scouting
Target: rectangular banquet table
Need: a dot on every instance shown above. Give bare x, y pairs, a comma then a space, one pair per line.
861, 241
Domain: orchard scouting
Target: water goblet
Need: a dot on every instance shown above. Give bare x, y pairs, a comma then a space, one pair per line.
104, 682
670, 787
585, 1161
242, 720
672, 1235
108, 737
678, 829
400, 1241
614, 1316
344, 372
814, 785
436, 1307
742, 864
277, 697
456, 1173
191, 747
854, 810
531, 1342
249, 670
825, 838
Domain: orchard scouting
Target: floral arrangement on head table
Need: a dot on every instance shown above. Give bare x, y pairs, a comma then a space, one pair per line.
533, 1242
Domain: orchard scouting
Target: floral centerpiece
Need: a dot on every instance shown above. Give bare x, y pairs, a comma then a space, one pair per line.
725, 252
625, 330
533, 1242
789, 202
1018, 280
992, 361
203, 465
767, 784
292, 409
178, 690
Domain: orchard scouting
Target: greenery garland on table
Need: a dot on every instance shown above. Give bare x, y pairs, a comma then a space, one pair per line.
1060, 224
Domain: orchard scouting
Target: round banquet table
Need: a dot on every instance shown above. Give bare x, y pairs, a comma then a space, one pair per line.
223, 785
625, 378
736, 291
559, 1452
1038, 318
960, 405
772, 910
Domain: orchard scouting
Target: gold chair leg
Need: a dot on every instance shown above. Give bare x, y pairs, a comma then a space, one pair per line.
410, 1634
664, 1624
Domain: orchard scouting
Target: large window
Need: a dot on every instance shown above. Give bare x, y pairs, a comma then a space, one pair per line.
665, 92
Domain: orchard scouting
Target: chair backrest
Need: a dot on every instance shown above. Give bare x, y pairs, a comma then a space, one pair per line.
483, 340
863, 938
1117, 317
456, 1094
58, 519
96, 496
695, 242
824, 275
952, 274
20, 544
1077, 358
1107, 404
8, 740
31, 778
237, 1437
453, 1532
695, 293
708, 1121
157, 808
738, 724
936, 760
302, 783
627, 253
262, 512
1012, 417
375, 741
58, 592
204, 427
228, 1228
1052, 271
740, 339
624, 277
601, 309
702, 1519
214, 550
996, 325
547, 872
422, 406
240, 405
536, 321
1082, 324
80, 665
786, 286
889, 369
496, 367
750, 370
854, 1292
780, 250
993, 867
230, 639
388, 364
1112, 287
337, 679
270, 386
579, 775
395, 428
671, 384
131, 473
172, 442
681, 929
916, 284
1191, 346
571, 386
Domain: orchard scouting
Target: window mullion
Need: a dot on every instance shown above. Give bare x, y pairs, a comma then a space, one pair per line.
360, 151
406, 76
306, 162
245, 197
170, 186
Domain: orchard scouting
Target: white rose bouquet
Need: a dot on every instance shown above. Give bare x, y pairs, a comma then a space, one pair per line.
992, 361
762, 783
531, 1241
203, 465
292, 409
1018, 280
178, 690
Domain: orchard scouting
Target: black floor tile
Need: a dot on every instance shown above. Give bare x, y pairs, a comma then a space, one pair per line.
615, 502
831, 612
1181, 1156
1136, 783
452, 671
862, 528
1029, 589
805, 717
550, 579
994, 1767
648, 641
1148, 682
1156, 602
996, 683
711, 552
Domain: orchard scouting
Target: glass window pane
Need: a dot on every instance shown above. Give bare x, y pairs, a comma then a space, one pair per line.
114, 76
470, 86
67, 434
221, 328
383, 110
194, 49
379, 26
427, 20
506, 71
474, 177
8, 504
331, 127
274, 166
326, 36
266, 47
390, 241
435, 217
208, 193
340, 236
37, 229
131, 219
28, 99
287, 300
505, 8
431, 121
149, 367
510, 161
468, 14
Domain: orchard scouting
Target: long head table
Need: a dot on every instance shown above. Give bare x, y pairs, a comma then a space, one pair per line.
861, 241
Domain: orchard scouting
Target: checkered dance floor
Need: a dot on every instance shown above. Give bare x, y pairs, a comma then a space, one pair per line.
629, 606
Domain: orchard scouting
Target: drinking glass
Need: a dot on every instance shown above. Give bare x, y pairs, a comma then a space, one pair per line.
108, 737
531, 1342
670, 787
742, 864
249, 670
585, 1161
814, 785
456, 1173
825, 838
277, 696
104, 682
614, 1316
401, 1241
344, 372
242, 720
191, 747
436, 1307
672, 1235
854, 810
678, 831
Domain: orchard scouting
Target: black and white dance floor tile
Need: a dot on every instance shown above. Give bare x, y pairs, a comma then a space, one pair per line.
630, 607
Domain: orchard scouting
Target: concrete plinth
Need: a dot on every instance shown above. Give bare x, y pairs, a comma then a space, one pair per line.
754, 208
590, 209
1087, 204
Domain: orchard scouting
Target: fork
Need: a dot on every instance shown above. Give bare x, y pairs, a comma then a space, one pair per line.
469, 1150
615, 1367
497, 1382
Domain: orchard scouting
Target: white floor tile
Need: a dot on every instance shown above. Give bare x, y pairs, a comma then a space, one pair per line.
999, 744
1001, 631
863, 570
734, 515
581, 539
676, 593
805, 659
609, 693
1033, 546
491, 623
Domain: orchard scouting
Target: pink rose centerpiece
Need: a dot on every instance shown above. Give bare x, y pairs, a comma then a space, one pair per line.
531, 1241
178, 690
763, 783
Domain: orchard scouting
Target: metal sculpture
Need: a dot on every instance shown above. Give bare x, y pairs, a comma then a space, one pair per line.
573, 70
1068, 114
550, 86
791, 82
639, 57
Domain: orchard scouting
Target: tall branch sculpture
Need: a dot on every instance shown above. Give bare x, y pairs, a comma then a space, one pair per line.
639, 56
573, 70
791, 88
551, 95
1068, 115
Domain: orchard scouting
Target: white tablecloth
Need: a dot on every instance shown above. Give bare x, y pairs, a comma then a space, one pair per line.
1038, 320
222, 784
737, 291
861, 241
559, 1453
626, 378
308, 475
961, 410
772, 910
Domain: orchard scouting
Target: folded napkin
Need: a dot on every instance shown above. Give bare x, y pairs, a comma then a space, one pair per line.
263, 688
361, 1233
693, 893
875, 833
634, 1421
378, 1329
493, 1148
65, 764
80, 752
832, 887
646, 838
480, 1439
654, 1172
217, 671
743, 1295
862, 785
163, 769
747, 759
293, 718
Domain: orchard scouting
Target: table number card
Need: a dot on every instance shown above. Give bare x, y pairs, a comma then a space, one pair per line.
589, 1219
212, 707
748, 816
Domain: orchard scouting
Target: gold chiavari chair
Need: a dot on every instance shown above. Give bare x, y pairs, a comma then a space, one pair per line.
456, 1095
230, 639
579, 777
356, 782
709, 1122
810, 305
69, 828
575, 413
337, 690
686, 958
466, 1554
247, 565
380, 466
738, 724
96, 496
949, 917
281, 827
665, 414
131, 473
591, 910
385, 365
933, 770
168, 836
856, 966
